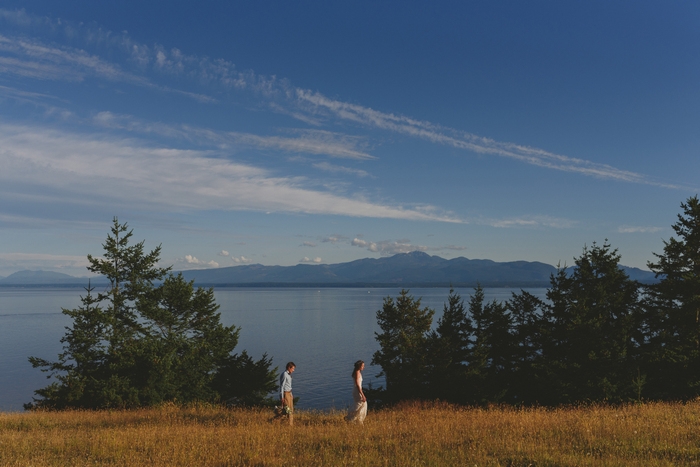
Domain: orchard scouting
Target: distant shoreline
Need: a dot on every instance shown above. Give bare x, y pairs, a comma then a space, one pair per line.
403, 270
360, 285
309, 285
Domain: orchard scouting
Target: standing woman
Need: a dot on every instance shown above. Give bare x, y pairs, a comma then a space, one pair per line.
358, 411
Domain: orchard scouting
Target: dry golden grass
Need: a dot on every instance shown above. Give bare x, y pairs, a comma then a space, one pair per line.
432, 435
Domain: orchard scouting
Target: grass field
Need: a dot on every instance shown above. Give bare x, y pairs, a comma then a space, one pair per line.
410, 435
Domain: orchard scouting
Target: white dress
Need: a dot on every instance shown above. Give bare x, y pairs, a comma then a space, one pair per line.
358, 410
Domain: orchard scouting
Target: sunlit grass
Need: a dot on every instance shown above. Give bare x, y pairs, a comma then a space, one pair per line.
413, 434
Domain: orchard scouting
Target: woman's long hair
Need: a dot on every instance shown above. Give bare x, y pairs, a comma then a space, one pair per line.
358, 365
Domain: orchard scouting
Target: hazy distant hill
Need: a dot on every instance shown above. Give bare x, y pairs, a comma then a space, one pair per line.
406, 269
39, 277
47, 278
636, 274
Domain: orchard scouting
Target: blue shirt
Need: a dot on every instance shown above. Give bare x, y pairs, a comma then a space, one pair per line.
285, 383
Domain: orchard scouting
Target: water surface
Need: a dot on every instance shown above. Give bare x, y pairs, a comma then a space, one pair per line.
324, 331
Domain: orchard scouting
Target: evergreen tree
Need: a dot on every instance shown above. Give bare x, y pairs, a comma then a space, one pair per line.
81, 373
183, 344
402, 345
594, 315
241, 380
528, 382
150, 337
491, 355
448, 350
673, 311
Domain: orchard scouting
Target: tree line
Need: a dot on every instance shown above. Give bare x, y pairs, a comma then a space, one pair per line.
598, 336
152, 337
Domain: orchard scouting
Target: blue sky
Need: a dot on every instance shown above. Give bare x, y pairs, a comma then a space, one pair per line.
322, 132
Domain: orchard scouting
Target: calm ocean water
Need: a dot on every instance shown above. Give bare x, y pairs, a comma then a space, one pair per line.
324, 331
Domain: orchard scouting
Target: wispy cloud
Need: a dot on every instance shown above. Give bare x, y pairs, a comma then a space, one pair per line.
326, 167
36, 70
310, 142
33, 59
309, 244
638, 229
531, 221
313, 142
14, 93
318, 104
36, 160
45, 62
142, 57
17, 16
26, 220
51, 104
87, 169
452, 248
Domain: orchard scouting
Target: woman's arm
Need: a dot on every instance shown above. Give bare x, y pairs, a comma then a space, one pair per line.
358, 385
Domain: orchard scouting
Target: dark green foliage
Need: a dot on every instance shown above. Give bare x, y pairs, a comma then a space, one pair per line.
491, 355
447, 352
81, 372
150, 337
183, 343
529, 380
673, 312
592, 345
402, 345
581, 345
244, 381
596, 338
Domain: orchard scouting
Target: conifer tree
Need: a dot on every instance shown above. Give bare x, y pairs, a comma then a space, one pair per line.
594, 314
402, 345
491, 355
183, 342
448, 350
673, 311
149, 337
528, 382
243, 381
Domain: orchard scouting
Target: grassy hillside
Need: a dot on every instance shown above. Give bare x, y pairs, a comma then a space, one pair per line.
634, 435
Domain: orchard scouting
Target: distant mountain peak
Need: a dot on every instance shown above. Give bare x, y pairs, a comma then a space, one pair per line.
28, 274
415, 253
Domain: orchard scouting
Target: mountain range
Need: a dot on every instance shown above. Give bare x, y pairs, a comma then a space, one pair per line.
39, 278
405, 269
